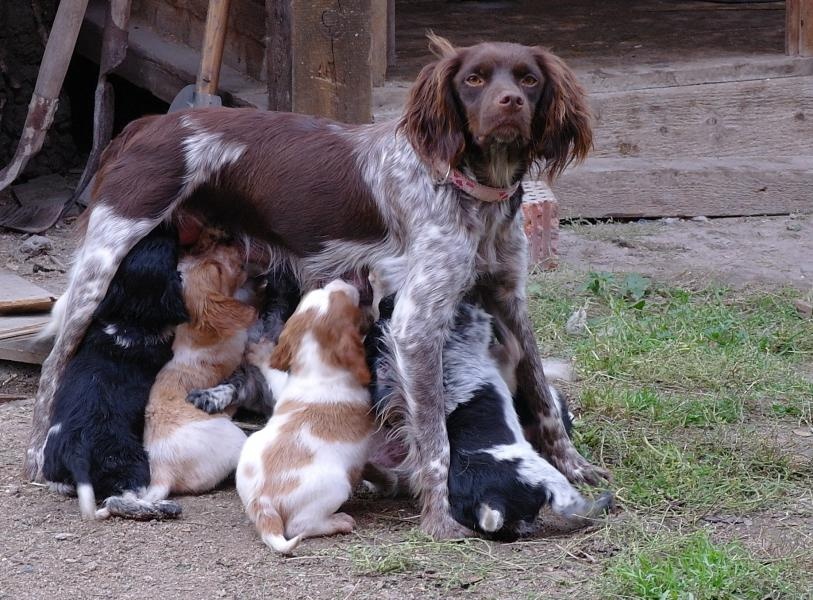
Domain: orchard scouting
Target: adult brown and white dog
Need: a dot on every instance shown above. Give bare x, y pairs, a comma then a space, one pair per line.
436, 192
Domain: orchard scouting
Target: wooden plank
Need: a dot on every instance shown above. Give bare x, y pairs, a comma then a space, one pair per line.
163, 66
25, 349
799, 27
632, 188
390, 33
279, 61
740, 119
18, 295
378, 44
330, 41
18, 325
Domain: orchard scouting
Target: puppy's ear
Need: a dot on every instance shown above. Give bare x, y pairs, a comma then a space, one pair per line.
227, 315
349, 354
339, 335
432, 121
172, 302
562, 127
283, 355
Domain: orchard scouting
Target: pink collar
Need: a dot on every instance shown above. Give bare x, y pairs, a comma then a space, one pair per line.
477, 190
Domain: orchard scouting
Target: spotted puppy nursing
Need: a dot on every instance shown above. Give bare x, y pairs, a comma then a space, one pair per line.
191, 451
497, 482
95, 443
296, 472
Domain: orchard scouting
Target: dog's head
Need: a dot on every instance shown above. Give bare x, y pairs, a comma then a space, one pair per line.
331, 319
210, 281
497, 98
146, 290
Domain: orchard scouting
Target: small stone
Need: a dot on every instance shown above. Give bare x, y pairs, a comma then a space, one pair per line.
36, 245
700, 219
577, 322
13, 490
670, 220
64, 536
794, 226
27, 569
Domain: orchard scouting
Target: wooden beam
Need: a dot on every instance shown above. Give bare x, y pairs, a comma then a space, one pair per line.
799, 27
690, 187
330, 47
390, 33
279, 61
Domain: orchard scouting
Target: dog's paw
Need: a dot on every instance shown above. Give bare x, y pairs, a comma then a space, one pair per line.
578, 470
441, 526
213, 400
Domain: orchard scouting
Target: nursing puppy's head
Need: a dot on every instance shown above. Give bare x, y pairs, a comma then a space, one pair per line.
326, 327
210, 281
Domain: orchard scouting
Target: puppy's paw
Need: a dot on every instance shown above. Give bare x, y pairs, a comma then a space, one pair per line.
259, 354
64, 489
380, 481
213, 400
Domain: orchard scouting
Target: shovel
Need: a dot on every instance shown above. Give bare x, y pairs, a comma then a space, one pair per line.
204, 91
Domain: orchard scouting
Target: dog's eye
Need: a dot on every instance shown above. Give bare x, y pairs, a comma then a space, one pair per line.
529, 81
474, 80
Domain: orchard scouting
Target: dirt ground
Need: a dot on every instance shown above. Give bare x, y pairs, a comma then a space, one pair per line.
212, 552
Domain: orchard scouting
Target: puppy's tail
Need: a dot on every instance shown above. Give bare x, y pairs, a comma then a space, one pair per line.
130, 506
57, 320
269, 524
87, 500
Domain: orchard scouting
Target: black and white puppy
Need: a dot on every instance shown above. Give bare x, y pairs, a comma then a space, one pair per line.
95, 442
247, 387
497, 482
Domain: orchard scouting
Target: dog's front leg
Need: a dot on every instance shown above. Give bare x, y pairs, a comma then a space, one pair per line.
503, 292
423, 314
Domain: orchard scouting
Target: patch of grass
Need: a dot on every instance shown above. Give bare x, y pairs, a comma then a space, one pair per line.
673, 382
460, 563
693, 567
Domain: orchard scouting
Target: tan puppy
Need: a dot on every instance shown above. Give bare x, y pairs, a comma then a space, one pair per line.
295, 473
191, 451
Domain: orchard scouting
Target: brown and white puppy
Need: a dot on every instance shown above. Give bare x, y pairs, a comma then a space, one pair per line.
191, 451
296, 472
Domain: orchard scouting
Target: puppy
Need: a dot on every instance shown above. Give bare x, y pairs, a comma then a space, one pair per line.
95, 443
497, 482
247, 387
191, 451
296, 472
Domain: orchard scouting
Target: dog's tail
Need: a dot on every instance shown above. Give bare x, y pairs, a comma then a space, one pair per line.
87, 500
130, 506
270, 525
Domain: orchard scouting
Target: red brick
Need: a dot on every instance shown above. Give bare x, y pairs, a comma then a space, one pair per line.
542, 229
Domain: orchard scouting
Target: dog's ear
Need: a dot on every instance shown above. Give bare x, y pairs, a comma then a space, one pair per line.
288, 345
227, 315
562, 126
339, 336
432, 121
172, 302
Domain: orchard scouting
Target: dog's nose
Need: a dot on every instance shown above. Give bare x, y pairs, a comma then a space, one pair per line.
511, 100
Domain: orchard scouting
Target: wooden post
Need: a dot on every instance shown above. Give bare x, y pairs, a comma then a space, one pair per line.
278, 54
378, 46
390, 34
330, 50
799, 27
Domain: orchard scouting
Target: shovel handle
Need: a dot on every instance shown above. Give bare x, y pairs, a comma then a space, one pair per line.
214, 37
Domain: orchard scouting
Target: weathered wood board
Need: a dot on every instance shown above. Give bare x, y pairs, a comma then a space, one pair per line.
331, 41
18, 295
25, 349
688, 187
770, 117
